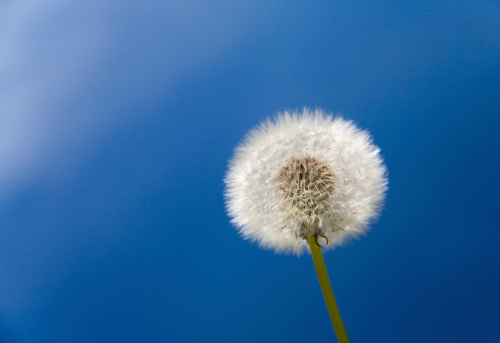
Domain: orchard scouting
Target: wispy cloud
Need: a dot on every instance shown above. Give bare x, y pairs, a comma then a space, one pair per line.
58, 56
46, 49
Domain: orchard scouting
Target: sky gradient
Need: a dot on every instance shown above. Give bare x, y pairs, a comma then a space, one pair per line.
118, 119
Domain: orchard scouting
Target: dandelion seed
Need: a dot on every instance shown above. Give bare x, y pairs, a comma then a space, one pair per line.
286, 198
313, 175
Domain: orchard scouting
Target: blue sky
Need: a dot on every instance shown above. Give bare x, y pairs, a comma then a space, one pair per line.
117, 121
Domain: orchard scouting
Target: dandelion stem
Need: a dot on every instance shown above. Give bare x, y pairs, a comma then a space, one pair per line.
326, 288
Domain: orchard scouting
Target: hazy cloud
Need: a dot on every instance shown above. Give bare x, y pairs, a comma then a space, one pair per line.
58, 56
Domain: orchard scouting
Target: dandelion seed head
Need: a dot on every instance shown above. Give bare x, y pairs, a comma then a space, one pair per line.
304, 174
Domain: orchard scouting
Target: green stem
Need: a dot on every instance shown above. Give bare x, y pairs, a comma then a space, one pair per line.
326, 287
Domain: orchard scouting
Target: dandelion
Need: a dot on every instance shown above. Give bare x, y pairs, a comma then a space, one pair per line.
303, 181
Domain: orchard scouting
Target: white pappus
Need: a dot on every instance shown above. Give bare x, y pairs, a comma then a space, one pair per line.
305, 174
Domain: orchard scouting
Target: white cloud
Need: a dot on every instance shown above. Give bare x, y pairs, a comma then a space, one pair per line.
46, 49
58, 56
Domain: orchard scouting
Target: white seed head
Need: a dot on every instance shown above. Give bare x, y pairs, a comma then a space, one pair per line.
305, 174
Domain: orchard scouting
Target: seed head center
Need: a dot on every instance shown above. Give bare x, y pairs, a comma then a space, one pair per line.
307, 183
